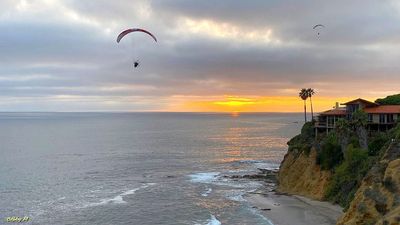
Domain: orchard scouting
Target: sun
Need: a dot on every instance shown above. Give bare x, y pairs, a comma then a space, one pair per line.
235, 102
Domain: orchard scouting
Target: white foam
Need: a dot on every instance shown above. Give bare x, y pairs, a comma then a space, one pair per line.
256, 212
236, 196
250, 161
130, 192
207, 192
119, 198
268, 166
204, 177
213, 221
262, 164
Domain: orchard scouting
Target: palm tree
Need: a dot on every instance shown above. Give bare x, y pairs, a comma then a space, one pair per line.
310, 93
304, 95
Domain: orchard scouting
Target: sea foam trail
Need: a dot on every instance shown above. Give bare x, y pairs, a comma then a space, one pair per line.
119, 198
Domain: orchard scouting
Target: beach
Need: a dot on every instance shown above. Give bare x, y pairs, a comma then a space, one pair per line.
294, 210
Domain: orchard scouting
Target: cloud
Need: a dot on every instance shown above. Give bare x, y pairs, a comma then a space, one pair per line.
56, 48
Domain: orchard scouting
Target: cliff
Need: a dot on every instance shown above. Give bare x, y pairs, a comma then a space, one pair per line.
377, 201
365, 182
299, 174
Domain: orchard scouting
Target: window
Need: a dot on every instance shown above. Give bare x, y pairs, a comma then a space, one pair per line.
330, 121
370, 118
390, 118
381, 118
351, 109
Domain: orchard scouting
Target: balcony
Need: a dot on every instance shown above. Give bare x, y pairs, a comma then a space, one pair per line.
324, 124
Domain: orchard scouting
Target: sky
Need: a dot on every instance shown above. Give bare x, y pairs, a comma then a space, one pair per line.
215, 55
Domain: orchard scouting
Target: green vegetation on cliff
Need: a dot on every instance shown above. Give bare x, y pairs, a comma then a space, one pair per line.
304, 141
349, 166
352, 166
348, 175
349, 171
330, 152
389, 100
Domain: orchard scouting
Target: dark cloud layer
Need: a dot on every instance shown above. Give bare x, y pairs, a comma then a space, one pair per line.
68, 49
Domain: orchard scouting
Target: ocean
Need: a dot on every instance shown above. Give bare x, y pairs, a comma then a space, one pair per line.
137, 168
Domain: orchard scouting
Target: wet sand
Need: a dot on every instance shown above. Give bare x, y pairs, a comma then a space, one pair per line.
294, 210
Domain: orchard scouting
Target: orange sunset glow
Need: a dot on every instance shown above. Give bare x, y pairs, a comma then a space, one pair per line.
258, 104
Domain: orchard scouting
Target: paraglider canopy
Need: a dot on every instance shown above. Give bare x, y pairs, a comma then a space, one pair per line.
125, 32
318, 26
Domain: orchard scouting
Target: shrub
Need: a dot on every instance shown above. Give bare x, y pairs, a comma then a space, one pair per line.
347, 176
355, 157
303, 141
396, 130
389, 100
376, 143
354, 141
330, 153
299, 143
308, 130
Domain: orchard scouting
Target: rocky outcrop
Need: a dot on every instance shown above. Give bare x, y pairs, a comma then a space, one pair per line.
377, 201
299, 174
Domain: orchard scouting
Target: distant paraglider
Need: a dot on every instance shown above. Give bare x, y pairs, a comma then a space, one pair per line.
125, 32
135, 64
318, 27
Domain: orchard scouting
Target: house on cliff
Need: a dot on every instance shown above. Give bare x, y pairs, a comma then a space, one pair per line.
380, 117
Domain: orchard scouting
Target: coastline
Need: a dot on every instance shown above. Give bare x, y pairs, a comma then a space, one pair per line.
284, 209
287, 209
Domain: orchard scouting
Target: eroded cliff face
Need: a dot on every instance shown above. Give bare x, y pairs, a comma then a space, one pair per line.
299, 174
377, 201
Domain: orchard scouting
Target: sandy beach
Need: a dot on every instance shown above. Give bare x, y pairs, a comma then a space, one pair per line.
294, 210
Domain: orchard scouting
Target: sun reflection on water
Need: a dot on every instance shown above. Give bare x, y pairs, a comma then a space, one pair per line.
246, 141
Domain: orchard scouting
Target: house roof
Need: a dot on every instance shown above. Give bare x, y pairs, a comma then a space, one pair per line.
383, 109
360, 100
334, 112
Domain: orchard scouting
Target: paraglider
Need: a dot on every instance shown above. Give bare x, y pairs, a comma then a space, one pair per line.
125, 32
135, 64
317, 27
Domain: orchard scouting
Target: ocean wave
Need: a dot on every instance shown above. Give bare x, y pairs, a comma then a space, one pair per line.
216, 178
256, 212
204, 177
267, 165
119, 198
236, 195
212, 221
